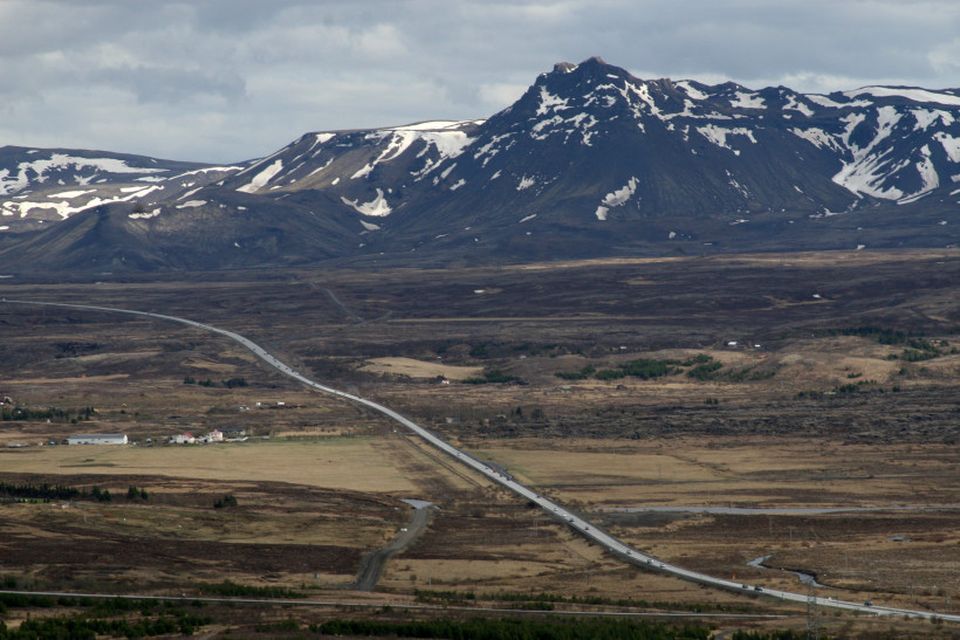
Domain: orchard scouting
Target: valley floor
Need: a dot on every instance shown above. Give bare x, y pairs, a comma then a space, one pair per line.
809, 382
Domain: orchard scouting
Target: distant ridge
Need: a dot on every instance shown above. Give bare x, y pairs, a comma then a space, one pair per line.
589, 161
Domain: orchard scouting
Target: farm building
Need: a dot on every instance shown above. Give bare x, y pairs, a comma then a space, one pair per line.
214, 436
233, 433
98, 438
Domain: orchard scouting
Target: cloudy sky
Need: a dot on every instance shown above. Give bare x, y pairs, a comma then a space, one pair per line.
225, 80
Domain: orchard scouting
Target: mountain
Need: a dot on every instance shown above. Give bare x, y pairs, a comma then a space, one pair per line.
39, 186
593, 153
364, 169
589, 161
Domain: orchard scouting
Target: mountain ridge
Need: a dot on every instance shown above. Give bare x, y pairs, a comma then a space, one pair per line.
589, 160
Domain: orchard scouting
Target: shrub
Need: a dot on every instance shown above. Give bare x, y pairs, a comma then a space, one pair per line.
493, 376
706, 371
228, 500
582, 374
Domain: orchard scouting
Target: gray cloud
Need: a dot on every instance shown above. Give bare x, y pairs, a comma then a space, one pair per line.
223, 80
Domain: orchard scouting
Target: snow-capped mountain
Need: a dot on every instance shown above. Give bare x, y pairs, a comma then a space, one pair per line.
40, 186
589, 161
369, 171
590, 144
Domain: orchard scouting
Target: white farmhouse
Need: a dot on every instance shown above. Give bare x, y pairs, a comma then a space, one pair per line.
98, 438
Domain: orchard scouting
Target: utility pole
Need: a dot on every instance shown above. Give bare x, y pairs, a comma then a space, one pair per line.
813, 614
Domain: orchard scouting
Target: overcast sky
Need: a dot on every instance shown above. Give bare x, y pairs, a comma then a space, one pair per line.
225, 80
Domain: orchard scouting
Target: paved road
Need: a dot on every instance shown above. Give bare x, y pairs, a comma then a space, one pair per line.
371, 567
575, 522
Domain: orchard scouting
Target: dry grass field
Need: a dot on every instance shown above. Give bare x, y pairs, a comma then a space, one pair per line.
349, 463
898, 536
840, 391
419, 369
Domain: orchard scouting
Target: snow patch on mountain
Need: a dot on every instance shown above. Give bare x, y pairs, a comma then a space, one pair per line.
951, 145
742, 190
491, 148
692, 91
322, 167
449, 144
745, 100
11, 183
526, 183
70, 195
817, 137
195, 172
616, 198
910, 93
927, 117
795, 105
143, 215
550, 102
718, 135
436, 125
378, 207
928, 176
824, 101
363, 171
21, 207
581, 123
445, 173
189, 193
261, 179
443, 137
864, 174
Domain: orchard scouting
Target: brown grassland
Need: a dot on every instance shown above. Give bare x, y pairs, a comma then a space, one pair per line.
840, 392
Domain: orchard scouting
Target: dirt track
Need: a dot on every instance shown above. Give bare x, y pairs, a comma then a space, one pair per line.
371, 565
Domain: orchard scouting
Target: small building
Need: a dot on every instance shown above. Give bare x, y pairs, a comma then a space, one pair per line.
233, 433
182, 438
214, 436
98, 438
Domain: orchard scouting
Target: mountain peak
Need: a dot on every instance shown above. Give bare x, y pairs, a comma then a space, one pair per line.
589, 160
595, 60
591, 64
